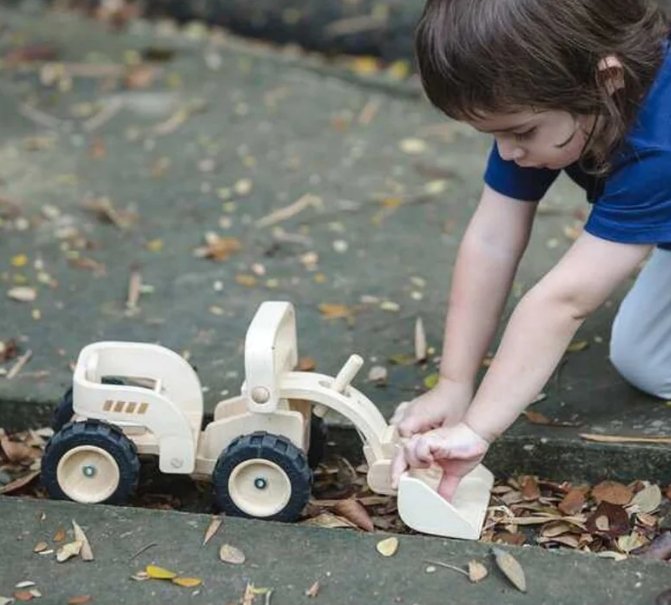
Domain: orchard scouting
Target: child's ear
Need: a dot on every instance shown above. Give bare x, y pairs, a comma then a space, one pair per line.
611, 73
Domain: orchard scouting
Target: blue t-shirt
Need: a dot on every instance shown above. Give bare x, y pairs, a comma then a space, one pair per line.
632, 203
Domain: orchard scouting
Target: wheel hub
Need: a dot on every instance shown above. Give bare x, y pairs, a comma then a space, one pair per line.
259, 487
88, 473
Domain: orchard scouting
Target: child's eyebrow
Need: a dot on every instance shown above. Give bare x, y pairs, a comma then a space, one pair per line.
508, 129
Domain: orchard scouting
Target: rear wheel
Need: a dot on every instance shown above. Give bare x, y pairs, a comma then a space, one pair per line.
91, 462
263, 476
65, 409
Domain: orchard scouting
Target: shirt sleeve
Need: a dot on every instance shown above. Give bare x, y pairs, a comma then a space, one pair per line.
635, 205
526, 184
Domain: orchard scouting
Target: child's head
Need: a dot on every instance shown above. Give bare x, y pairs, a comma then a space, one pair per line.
553, 80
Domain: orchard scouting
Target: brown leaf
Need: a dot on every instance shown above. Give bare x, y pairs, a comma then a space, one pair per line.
23, 595
612, 492
313, 591
80, 599
529, 488
328, 520
17, 484
218, 248
354, 512
212, 528
335, 311
40, 546
59, 536
476, 571
18, 452
609, 520
536, 417
573, 502
510, 568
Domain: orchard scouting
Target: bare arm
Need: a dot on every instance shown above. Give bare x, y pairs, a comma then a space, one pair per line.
486, 264
542, 326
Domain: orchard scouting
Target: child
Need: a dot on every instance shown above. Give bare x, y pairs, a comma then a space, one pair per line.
577, 85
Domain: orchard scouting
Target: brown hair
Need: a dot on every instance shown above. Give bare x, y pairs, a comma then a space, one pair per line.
492, 56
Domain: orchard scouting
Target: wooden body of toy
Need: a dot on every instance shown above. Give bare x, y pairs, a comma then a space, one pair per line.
134, 398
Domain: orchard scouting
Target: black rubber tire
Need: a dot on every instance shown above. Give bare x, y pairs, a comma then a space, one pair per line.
65, 409
275, 448
100, 434
318, 438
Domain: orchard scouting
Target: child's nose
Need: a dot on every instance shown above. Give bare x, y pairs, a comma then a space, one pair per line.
509, 151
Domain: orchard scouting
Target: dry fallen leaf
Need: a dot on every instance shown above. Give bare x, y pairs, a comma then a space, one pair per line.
577, 345
23, 595
59, 536
623, 438
80, 599
86, 553
187, 582
69, 550
608, 519
22, 294
510, 568
613, 492
648, 499
529, 488
355, 512
476, 571
335, 311
17, 484
313, 591
387, 547
40, 546
231, 554
212, 529
159, 573
328, 520
573, 502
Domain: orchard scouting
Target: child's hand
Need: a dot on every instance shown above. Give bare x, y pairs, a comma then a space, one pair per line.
456, 449
445, 404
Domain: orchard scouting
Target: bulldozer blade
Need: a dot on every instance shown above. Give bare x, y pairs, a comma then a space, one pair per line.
424, 510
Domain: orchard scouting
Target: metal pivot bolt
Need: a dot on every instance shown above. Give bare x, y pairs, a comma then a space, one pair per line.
260, 483
89, 470
260, 394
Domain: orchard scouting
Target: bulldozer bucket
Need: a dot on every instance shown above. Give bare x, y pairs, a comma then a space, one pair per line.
424, 510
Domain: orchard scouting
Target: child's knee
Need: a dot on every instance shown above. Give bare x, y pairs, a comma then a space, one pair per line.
636, 367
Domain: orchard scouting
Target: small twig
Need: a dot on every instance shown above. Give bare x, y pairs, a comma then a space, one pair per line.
139, 552
624, 439
268, 595
282, 214
18, 366
134, 288
452, 567
354, 25
39, 117
110, 110
368, 112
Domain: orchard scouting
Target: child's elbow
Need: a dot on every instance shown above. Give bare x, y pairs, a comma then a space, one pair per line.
549, 299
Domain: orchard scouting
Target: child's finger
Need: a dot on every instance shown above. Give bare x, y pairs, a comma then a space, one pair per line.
422, 450
448, 485
399, 413
398, 466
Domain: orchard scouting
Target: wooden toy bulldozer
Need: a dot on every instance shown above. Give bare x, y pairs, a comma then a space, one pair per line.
255, 450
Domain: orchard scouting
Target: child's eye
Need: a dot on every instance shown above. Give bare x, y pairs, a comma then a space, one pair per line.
527, 134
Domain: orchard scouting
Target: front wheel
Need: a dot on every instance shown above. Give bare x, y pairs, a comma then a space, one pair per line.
91, 462
263, 476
